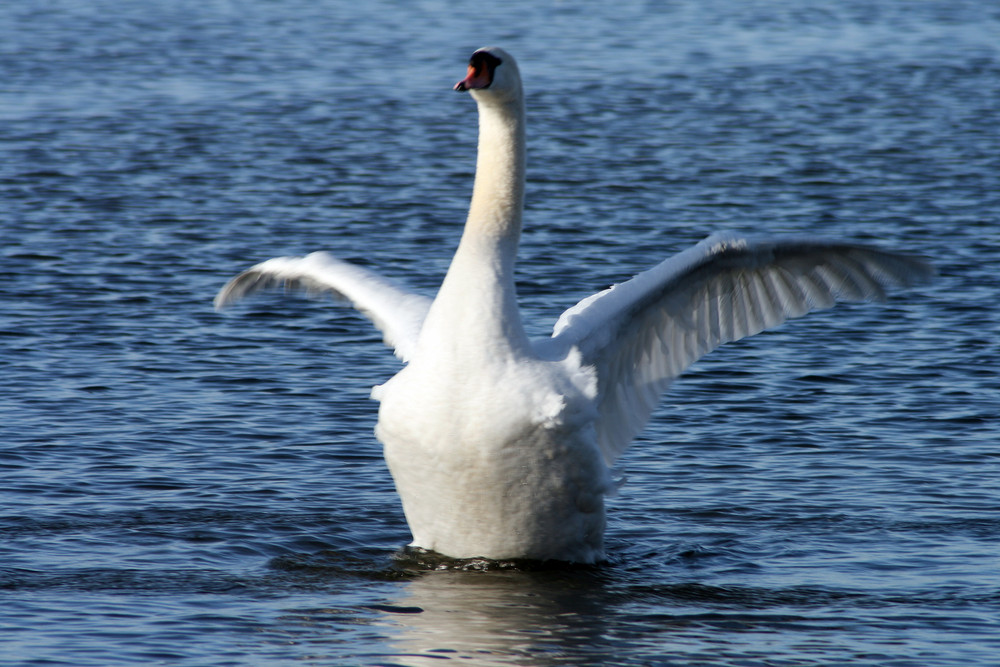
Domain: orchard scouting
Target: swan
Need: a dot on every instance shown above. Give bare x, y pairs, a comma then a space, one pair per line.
500, 446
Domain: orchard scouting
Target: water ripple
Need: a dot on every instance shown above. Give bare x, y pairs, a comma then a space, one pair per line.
191, 488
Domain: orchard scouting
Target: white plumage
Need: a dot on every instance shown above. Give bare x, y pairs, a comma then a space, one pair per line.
500, 446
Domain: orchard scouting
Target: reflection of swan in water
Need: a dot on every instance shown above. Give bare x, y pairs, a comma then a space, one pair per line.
500, 445
495, 618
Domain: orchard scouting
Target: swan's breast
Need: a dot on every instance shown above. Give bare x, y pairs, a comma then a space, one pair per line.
502, 463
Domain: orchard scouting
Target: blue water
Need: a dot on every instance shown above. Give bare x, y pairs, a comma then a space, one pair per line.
188, 488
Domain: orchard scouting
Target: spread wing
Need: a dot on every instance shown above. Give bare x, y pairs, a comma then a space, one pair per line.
396, 311
643, 333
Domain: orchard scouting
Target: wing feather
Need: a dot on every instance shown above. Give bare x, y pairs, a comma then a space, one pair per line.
396, 311
643, 333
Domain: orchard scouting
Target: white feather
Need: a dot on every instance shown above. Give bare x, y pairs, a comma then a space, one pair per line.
499, 446
395, 311
647, 331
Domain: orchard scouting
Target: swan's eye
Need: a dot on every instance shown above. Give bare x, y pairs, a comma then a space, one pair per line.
484, 59
482, 67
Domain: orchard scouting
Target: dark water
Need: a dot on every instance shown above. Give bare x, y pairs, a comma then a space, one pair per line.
183, 487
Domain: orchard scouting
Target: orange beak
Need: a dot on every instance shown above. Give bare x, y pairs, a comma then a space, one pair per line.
474, 79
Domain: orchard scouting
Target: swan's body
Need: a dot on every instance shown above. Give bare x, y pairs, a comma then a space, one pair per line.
500, 446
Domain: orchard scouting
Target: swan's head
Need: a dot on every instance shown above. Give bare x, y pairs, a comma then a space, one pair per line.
492, 74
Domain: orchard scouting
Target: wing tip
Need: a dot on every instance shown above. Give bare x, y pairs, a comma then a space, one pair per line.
239, 287
909, 270
924, 270
224, 298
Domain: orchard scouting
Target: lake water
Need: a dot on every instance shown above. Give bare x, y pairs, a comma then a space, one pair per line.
190, 488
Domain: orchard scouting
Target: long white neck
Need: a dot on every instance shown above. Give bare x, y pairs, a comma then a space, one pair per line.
498, 193
477, 303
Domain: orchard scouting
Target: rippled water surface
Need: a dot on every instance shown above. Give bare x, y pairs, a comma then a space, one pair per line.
185, 487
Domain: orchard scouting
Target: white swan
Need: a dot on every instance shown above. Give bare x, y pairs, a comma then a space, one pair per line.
500, 446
